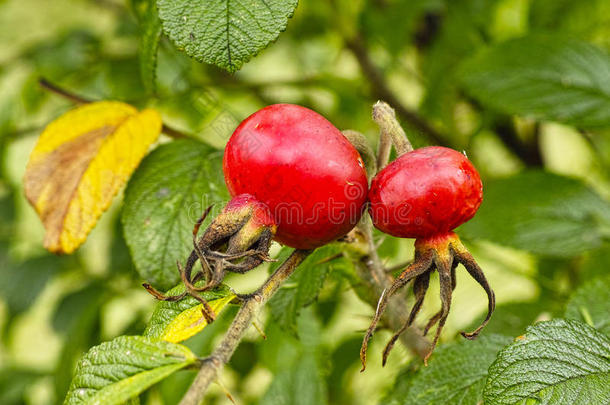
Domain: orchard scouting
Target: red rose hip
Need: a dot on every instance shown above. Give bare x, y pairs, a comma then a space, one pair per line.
425, 192
302, 168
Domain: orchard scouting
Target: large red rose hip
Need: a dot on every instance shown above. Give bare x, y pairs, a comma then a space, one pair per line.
425, 192
302, 168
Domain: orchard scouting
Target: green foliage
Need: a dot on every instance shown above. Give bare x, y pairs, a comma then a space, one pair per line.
543, 213
442, 62
224, 33
555, 362
544, 78
591, 304
456, 374
116, 371
305, 285
163, 200
150, 26
298, 365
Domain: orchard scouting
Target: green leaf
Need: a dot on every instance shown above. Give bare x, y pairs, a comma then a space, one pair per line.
116, 371
463, 31
543, 77
591, 304
77, 320
297, 364
304, 286
299, 385
162, 322
150, 34
222, 32
163, 200
586, 19
555, 362
541, 212
456, 374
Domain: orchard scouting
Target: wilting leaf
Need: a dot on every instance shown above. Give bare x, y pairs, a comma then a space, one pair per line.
190, 322
179, 320
80, 162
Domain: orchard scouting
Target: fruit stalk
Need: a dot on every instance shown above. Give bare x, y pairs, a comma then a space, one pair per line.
253, 304
390, 133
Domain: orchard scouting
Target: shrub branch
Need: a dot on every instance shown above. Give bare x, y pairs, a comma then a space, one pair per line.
213, 364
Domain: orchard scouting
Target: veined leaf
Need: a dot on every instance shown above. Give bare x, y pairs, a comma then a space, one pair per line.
116, 371
591, 304
555, 362
222, 32
543, 77
163, 201
456, 374
179, 320
80, 162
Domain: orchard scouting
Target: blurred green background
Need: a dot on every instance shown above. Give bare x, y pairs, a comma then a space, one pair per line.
337, 57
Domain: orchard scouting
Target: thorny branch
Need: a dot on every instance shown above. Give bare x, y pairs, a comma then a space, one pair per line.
251, 307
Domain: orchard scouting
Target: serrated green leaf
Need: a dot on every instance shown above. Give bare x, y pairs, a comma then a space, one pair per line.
543, 77
555, 362
542, 213
456, 374
166, 312
222, 32
163, 200
150, 34
304, 286
116, 371
591, 304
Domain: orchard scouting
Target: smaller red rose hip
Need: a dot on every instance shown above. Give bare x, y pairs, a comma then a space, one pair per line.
425, 194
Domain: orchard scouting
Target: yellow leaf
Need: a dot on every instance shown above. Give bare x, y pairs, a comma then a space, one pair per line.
191, 321
81, 160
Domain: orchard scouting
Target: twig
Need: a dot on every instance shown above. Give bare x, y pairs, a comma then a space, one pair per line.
382, 91
213, 364
78, 99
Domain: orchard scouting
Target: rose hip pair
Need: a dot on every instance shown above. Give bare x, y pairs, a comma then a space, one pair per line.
295, 178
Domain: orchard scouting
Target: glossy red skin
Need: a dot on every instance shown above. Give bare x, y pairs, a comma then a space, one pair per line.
424, 193
302, 167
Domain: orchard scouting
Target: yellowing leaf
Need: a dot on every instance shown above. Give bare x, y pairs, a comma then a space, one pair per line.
191, 321
80, 162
